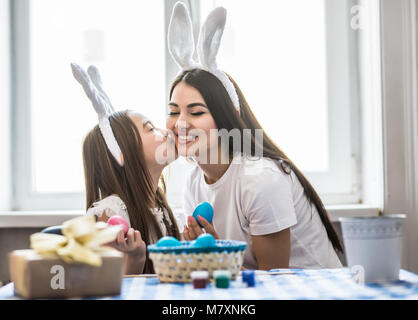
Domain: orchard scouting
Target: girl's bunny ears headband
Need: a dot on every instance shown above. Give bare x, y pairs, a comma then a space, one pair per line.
92, 85
181, 44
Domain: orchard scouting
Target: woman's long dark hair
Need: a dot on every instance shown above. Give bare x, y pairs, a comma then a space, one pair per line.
132, 182
226, 117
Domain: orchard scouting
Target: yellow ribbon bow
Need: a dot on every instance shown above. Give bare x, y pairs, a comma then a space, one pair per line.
83, 240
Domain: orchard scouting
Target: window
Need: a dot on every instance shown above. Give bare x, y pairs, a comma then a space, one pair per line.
5, 158
125, 41
295, 62
292, 59
274, 66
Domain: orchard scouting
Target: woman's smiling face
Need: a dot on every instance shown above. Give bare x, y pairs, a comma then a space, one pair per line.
190, 120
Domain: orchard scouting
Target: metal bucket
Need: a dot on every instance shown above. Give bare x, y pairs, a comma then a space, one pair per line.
374, 246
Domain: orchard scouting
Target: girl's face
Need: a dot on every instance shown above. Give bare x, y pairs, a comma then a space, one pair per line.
190, 120
159, 149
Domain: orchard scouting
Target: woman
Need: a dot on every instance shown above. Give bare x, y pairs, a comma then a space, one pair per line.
265, 200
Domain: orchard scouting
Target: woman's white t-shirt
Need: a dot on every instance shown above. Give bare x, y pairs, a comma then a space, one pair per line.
254, 197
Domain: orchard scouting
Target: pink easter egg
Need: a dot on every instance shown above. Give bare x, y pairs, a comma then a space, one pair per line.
117, 220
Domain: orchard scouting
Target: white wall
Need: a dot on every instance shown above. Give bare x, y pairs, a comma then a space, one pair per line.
5, 174
400, 119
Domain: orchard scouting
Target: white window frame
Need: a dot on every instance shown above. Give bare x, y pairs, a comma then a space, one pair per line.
343, 107
25, 199
344, 142
5, 113
390, 166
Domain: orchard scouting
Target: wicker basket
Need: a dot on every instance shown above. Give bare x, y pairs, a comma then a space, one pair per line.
175, 264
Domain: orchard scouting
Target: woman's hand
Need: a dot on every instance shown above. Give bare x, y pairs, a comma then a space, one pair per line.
193, 230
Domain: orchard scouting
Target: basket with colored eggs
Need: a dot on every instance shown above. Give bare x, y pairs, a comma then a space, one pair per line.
175, 260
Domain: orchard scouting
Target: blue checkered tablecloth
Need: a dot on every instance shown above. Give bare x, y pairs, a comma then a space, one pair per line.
303, 284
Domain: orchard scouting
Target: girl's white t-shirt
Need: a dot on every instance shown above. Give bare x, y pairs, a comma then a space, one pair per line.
254, 197
113, 205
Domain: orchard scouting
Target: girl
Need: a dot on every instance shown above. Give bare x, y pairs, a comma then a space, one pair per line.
122, 171
265, 200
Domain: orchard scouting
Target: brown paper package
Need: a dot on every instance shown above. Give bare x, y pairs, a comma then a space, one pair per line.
33, 276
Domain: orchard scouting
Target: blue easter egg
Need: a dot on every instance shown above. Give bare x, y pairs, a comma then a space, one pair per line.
205, 240
168, 242
205, 210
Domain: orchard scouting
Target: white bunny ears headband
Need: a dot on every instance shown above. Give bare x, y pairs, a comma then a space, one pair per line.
181, 44
92, 85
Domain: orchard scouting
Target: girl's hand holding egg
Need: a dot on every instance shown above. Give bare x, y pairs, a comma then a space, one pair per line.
132, 244
118, 220
128, 240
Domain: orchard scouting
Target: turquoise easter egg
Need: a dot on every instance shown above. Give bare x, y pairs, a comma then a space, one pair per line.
205, 210
205, 240
168, 242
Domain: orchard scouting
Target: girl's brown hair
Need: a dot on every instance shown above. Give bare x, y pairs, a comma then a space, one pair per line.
226, 117
132, 182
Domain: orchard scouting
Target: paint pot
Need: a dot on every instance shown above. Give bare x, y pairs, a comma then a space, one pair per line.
248, 277
373, 247
200, 279
222, 278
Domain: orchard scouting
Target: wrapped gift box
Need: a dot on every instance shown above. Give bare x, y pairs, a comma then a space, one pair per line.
48, 276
